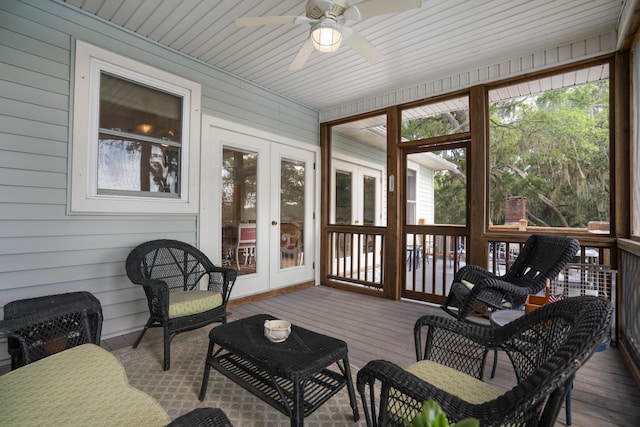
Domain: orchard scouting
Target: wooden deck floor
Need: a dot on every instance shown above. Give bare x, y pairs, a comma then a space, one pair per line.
374, 328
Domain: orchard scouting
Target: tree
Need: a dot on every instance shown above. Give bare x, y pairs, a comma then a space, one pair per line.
553, 149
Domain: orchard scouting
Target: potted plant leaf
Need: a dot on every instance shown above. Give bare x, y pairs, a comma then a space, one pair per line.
432, 415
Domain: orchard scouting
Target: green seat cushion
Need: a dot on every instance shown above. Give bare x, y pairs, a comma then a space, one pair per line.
82, 386
469, 285
192, 302
454, 382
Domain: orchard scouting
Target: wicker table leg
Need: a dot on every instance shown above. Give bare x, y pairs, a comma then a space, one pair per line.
352, 393
207, 370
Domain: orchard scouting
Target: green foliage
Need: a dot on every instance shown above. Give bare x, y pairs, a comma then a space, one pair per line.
552, 149
433, 416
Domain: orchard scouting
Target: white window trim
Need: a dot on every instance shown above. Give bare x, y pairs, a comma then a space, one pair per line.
89, 61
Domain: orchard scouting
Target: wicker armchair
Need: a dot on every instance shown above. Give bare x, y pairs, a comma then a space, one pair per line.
546, 348
541, 258
39, 327
172, 274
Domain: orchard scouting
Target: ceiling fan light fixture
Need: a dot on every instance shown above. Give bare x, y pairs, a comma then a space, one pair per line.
326, 36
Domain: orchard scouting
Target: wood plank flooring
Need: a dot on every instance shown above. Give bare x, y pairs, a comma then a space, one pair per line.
374, 328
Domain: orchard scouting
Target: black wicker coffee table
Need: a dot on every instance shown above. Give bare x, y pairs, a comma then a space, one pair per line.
292, 376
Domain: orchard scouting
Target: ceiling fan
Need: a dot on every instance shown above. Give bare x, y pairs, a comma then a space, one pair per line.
327, 19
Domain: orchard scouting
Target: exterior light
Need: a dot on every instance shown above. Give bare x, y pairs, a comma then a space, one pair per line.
326, 36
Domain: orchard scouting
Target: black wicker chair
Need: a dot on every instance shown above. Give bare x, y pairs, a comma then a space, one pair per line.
541, 258
546, 348
172, 273
41, 326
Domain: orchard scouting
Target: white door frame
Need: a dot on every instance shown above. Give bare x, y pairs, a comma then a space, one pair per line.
215, 132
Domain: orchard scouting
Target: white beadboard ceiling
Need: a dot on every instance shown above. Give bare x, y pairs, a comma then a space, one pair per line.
439, 39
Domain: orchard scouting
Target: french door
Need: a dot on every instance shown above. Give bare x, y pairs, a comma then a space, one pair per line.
258, 198
356, 194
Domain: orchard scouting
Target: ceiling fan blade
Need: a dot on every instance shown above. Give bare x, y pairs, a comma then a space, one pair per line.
302, 55
370, 8
250, 21
358, 43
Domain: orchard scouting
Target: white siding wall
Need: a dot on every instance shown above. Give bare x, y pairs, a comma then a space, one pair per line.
43, 250
426, 199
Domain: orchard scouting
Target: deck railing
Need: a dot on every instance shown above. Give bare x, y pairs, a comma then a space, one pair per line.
630, 305
356, 256
431, 262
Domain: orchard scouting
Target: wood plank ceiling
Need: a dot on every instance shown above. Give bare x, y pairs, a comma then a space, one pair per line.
440, 38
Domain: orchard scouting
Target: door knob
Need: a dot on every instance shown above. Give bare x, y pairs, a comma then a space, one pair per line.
274, 222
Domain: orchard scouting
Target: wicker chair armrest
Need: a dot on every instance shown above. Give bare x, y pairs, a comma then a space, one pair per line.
500, 285
497, 291
229, 279
202, 417
482, 334
8, 328
473, 274
156, 290
414, 391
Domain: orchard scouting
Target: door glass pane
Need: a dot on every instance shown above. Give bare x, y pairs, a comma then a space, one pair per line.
369, 201
343, 198
292, 208
239, 209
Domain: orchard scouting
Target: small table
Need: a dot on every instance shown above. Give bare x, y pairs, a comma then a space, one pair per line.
291, 376
498, 319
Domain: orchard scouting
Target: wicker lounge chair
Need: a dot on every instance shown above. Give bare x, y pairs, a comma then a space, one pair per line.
546, 348
541, 258
172, 273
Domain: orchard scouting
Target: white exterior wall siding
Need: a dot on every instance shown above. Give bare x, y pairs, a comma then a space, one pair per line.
426, 201
43, 249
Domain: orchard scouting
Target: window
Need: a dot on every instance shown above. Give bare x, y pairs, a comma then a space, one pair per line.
135, 137
550, 151
436, 175
411, 196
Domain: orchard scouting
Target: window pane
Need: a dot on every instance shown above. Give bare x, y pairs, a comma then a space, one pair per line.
549, 152
437, 119
135, 109
131, 165
411, 196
